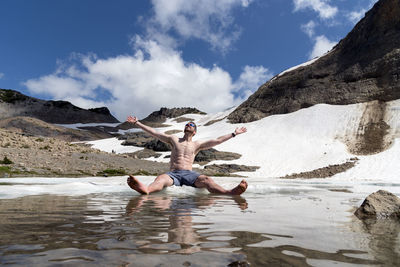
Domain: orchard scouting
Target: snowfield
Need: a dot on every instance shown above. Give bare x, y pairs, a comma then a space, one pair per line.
301, 141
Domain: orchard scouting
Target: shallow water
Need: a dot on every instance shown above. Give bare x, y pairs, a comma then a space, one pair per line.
101, 222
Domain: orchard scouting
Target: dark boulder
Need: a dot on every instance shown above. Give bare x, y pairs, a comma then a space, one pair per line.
228, 169
157, 145
378, 205
143, 139
144, 153
139, 139
211, 154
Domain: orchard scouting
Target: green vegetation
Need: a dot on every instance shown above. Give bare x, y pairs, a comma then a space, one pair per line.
6, 161
85, 173
143, 173
220, 174
39, 139
45, 147
112, 172
5, 170
10, 96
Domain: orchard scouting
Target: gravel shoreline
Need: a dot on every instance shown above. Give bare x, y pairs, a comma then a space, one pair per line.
45, 156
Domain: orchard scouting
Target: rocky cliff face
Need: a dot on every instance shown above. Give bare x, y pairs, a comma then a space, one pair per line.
164, 113
364, 66
13, 103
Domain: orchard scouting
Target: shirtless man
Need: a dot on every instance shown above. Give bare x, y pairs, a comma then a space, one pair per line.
183, 153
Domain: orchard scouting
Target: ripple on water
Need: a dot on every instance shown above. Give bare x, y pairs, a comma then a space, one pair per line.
195, 229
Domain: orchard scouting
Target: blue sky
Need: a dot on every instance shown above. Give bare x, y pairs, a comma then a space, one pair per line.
137, 56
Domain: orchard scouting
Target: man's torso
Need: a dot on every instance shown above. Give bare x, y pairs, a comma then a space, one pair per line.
182, 153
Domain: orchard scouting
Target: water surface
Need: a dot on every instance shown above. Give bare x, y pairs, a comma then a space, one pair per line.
101, 222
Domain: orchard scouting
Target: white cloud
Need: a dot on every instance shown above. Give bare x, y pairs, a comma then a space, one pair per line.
250, 79
246, 3
321, 46
356, 15
322, 7
1, 75
155, 76
309, 28
207, 20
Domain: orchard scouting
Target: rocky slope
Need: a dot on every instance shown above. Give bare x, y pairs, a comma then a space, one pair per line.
156, 119
13, 103
35, 127
46, 156
164, 113
22, 155
364, 66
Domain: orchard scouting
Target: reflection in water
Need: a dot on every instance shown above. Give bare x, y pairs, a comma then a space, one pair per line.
384, 240
152, 230
181, 235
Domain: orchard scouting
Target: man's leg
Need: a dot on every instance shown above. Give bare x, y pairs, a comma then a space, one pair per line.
206, 182
159, 183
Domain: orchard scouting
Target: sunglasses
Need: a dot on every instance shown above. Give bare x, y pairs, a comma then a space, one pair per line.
191, 124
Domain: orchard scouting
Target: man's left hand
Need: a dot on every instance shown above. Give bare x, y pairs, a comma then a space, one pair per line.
240, 130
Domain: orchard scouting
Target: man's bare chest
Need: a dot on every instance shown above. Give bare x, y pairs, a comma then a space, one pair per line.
185, 148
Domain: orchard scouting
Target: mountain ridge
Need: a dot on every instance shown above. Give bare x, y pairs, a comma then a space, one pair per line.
362, 67
14, 103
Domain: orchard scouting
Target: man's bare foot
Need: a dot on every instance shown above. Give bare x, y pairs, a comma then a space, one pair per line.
240, 189
136, 185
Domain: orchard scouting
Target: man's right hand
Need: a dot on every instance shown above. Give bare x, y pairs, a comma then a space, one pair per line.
131, 119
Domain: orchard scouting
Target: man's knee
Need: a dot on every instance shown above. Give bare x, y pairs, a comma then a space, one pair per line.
164, 179
203, 180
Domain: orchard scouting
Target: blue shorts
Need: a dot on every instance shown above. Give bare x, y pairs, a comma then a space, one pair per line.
183, 177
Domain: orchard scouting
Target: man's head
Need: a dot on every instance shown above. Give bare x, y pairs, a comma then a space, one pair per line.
191, 127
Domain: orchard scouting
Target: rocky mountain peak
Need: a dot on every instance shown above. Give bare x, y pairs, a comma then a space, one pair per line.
375, 35
14, 103
364, 66
164, 113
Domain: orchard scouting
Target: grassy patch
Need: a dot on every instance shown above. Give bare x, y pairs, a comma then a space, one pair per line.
112, 172
220, 174
4, 170
143, 173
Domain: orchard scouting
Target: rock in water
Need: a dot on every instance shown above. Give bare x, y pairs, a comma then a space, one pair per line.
363, 67
381, 204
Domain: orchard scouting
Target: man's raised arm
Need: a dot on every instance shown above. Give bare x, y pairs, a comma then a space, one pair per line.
211, 143
160, 136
